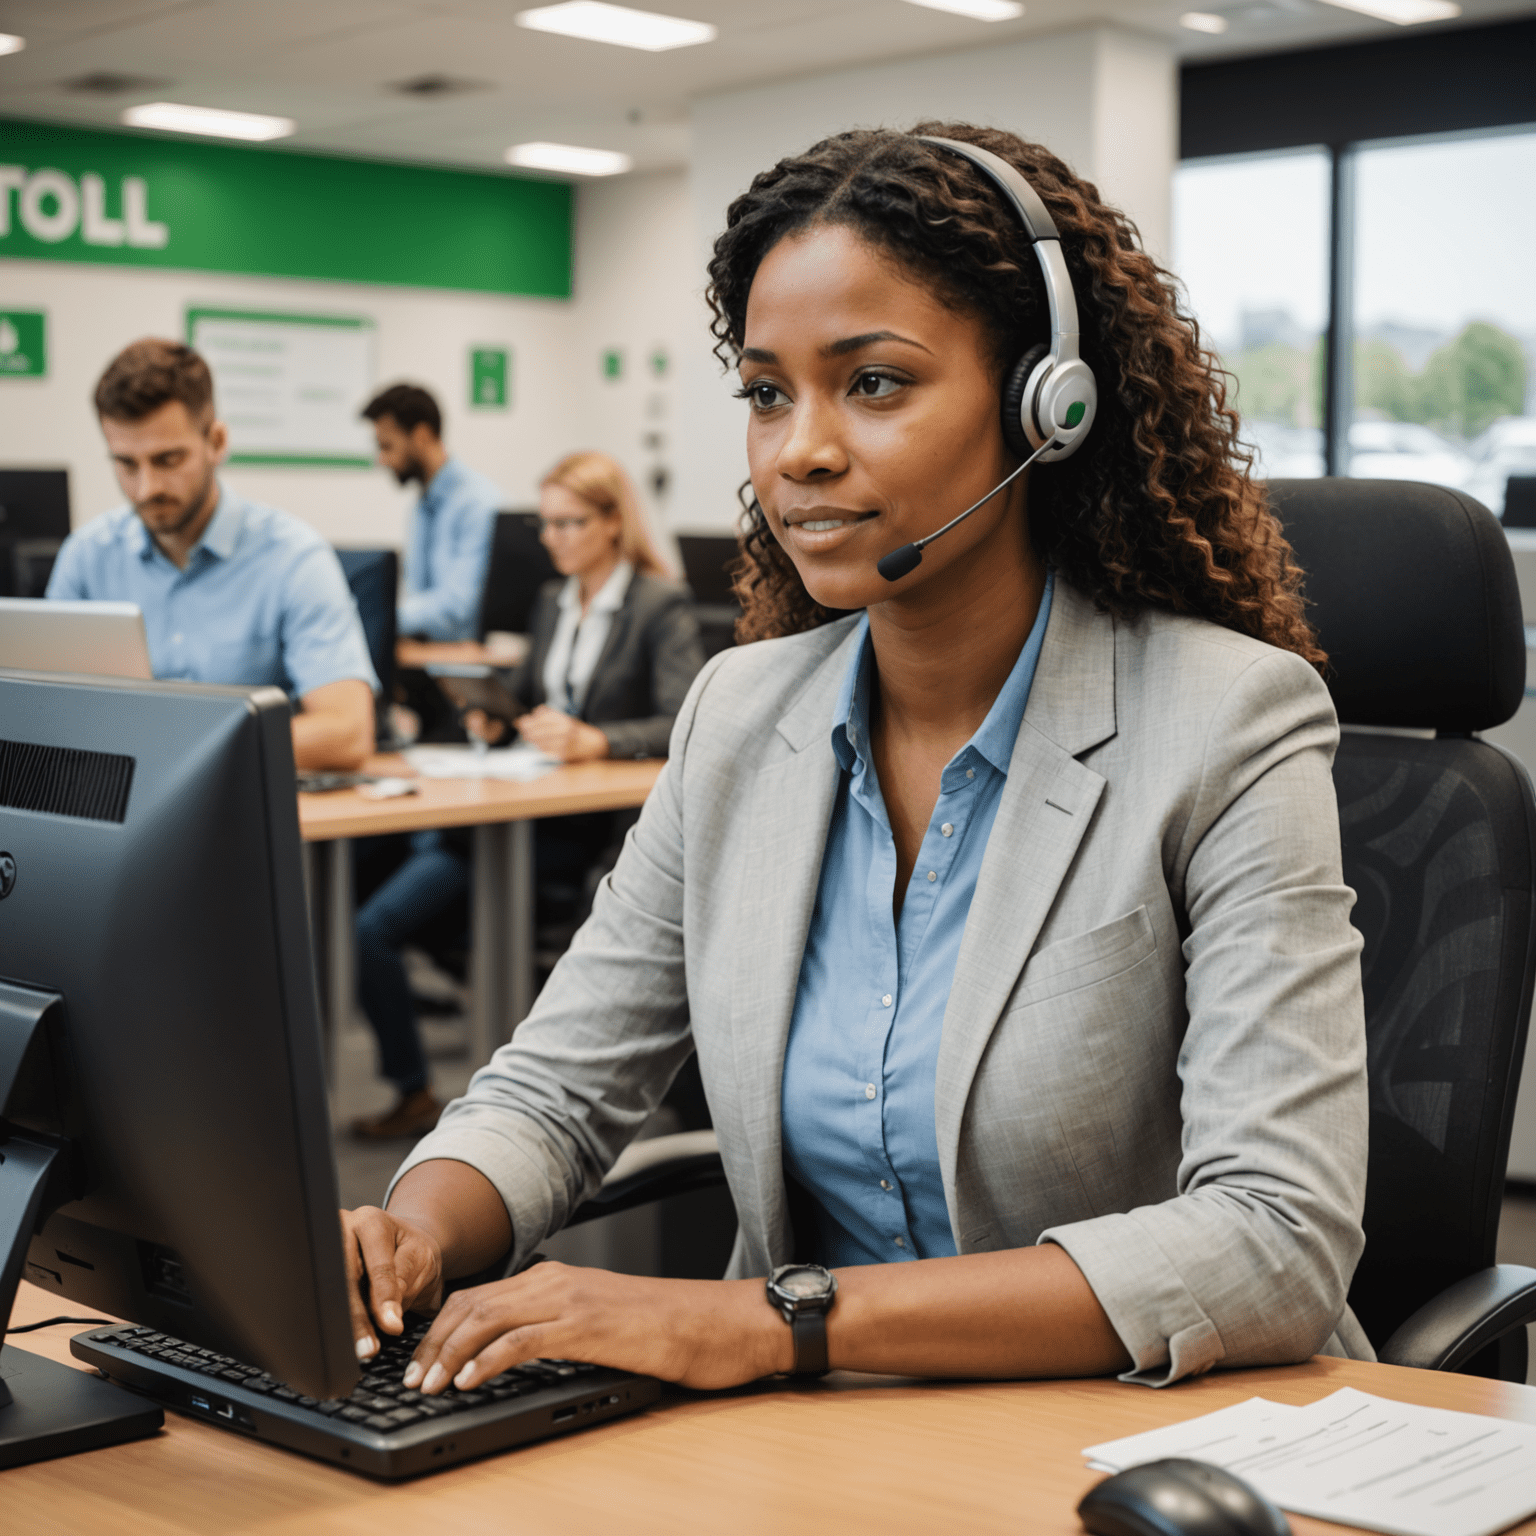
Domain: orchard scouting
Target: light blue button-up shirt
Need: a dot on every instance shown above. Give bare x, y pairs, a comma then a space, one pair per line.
864, 1040
447, 555
262, 598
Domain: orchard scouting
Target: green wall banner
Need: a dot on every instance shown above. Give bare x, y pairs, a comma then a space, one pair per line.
73, 194
23, 344
488, 372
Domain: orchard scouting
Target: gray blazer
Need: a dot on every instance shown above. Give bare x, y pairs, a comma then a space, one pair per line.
651, 656
1154, 1049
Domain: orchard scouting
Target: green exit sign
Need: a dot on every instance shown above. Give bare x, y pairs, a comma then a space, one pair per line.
490, 372
23, 344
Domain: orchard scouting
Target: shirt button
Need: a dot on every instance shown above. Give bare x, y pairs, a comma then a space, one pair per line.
970, 773
886, 1000
869, 1090
933, 875
885, 1183
948, 829
901, 1242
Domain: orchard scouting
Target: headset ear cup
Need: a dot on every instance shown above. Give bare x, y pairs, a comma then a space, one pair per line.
1015, 406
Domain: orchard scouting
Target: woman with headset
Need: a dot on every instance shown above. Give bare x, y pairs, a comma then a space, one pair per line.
997, 885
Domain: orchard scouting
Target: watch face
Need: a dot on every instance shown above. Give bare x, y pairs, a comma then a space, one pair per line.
802, 1283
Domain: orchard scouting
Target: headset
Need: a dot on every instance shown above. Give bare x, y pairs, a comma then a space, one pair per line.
1050, 396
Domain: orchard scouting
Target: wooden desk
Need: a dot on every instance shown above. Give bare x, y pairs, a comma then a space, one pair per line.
501, 907
852, 1454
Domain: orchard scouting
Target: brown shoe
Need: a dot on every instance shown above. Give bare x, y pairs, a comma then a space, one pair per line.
414, 1115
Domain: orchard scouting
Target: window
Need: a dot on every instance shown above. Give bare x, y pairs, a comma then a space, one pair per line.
1251, 246
1445, 312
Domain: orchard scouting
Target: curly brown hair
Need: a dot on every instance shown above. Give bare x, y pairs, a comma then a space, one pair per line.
1160, 508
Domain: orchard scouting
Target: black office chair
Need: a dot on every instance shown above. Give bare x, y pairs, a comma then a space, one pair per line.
518, 567
1413, 593
374, 577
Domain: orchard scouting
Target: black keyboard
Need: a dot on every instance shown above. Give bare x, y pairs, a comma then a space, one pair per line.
383, 1428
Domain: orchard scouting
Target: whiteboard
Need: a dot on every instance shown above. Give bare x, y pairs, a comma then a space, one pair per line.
289, 387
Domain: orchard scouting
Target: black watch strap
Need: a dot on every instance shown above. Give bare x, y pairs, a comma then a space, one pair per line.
810, 1332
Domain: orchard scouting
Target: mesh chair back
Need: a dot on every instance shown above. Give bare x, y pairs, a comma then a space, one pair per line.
1438, 838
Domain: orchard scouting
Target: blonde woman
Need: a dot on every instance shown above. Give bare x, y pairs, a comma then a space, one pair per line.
614, 650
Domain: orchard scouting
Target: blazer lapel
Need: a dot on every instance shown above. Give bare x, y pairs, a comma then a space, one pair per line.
780, 872
1046, 806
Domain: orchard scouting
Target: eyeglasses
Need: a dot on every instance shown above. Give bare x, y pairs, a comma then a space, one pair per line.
566, 524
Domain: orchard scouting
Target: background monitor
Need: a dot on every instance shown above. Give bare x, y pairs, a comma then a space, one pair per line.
374, 577
706, 558
153, 932
518, 567
34, 521
100, 639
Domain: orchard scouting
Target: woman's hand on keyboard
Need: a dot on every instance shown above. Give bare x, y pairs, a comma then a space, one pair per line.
397, 1263
701, 1333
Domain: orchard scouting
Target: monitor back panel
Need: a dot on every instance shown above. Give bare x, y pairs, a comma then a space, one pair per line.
97, 639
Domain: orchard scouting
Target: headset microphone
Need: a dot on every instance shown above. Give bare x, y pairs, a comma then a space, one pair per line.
901, 561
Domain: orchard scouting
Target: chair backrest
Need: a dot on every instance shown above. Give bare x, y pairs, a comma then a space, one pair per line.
374, 577
518, 567
1413, 593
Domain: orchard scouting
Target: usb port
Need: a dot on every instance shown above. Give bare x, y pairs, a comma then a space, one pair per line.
201, 1402
562, 1414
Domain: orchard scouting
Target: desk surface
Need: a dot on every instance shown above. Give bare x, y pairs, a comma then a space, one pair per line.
607, 786
852, 1454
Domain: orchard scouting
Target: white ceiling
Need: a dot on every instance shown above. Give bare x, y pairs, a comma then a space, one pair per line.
333, 64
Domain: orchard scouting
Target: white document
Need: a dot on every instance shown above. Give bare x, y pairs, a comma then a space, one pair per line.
520, 763
1361, 1460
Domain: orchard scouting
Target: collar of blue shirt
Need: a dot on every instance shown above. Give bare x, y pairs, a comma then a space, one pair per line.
219, 537
994, 738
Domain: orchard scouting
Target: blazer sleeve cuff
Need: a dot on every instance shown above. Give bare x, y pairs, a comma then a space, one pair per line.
1165, 1330
523, 1174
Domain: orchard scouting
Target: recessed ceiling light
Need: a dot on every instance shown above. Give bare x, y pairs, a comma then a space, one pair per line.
10, 43
977, 10
1406, 13
569, 158
595, 22
210, 122
1203, 21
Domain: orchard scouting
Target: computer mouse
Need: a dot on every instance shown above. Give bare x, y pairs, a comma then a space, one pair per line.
1179, 1497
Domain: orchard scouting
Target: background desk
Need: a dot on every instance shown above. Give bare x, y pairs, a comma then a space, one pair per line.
853, 1454
501, 905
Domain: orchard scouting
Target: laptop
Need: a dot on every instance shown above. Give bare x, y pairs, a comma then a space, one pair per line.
98, 639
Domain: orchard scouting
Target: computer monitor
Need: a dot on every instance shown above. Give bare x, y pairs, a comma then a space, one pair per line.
518, 567
163, 1115
34, 509
706, 558
374, 577
102, 639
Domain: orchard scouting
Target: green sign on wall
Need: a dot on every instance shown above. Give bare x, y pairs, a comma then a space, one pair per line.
489, 370
23, 344
73, 194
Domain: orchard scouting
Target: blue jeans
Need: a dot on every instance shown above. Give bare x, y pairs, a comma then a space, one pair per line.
430, 880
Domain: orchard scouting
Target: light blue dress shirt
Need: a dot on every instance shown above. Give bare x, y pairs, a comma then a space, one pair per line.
447, 555
857, 1097
262, 599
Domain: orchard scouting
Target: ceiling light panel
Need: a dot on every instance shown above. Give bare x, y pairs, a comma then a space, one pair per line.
1203, 21
208, 122
568, 159
977, 10
596, 22
10, 43
1405, 13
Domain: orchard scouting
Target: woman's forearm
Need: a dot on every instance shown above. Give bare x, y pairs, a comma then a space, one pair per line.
460, 1209
1024, 1312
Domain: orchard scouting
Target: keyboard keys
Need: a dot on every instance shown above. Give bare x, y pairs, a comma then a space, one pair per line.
378, 1421
404, 1416
353, 1414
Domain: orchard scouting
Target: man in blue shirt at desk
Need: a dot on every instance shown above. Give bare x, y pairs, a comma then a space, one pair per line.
231, 591
450, 540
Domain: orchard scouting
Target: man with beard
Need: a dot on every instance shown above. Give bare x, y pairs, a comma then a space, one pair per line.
231, 591
450, 538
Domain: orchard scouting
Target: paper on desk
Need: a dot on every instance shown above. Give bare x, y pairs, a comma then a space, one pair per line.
519, 763
1361, 1460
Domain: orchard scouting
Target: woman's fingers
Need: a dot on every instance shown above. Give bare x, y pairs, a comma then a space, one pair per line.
396, 1262
505, 1313
362, 1325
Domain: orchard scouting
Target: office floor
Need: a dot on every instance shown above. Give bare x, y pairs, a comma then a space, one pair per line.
625, 1242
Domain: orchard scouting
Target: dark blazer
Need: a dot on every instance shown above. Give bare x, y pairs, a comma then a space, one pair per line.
651, 656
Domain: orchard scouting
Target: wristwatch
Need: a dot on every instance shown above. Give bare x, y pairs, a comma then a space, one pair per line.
802, 1294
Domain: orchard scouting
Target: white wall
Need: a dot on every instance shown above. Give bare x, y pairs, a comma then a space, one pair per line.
633, 238
1105, 100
